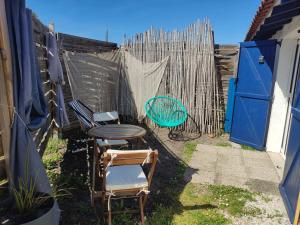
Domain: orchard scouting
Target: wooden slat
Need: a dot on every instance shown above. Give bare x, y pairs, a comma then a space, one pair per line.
2, 168
297, 213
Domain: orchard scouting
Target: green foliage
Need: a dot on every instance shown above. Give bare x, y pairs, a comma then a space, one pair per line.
161, 216
25, 196
124, 219
199, 217
55, 144
189, 149
246, 147
233, 200
224, 144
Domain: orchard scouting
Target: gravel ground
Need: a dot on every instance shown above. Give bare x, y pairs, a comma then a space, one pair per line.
273, 212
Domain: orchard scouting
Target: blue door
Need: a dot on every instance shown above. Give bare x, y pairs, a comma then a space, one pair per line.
290, 185
254, 91
230, 102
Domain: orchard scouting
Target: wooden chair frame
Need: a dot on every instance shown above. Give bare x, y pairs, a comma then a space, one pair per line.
133, 157
97, 150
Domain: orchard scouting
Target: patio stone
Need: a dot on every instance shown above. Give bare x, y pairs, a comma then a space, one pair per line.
253, 170
263, 173
262, 186
204, 177
258, 162
233, 180
231, 170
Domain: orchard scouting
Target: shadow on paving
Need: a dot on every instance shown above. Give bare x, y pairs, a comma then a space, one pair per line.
167, 185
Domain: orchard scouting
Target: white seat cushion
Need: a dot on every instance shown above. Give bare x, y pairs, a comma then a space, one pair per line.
115, 151
105, 116
125, 177
111, 142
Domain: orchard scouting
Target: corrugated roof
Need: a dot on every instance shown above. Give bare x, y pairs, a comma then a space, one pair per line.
282, 14
261, 14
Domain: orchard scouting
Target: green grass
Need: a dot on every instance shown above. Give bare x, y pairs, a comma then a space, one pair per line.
233, 200
189, 149
197, 205
52, 157
205, 204
246, 147
224, 144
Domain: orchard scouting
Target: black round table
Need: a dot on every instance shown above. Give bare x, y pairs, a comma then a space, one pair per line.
117, 132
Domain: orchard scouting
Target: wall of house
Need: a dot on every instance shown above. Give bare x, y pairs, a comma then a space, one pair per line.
281, 94
280, 107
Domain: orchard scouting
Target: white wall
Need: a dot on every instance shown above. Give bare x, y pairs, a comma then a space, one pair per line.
289, 36
281, 91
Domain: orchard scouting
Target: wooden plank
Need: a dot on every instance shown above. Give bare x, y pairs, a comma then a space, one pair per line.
297, 213
2, 168
6, 91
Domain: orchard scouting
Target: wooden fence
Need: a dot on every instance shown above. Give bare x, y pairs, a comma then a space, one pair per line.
42, 135
226, 58
6, 97
84, 45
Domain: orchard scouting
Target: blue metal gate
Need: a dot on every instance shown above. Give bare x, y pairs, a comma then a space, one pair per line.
290, 185
254, 93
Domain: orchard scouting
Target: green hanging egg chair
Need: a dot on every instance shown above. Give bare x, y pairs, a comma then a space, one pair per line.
166, 111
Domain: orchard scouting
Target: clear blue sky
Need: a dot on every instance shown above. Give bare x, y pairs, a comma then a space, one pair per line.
90, 18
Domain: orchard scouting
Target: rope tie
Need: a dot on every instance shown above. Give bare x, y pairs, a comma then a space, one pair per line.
147, 159
110, 194
144, 190
113, 156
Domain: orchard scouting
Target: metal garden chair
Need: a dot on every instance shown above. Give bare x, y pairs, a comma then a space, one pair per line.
166, 111
88, 119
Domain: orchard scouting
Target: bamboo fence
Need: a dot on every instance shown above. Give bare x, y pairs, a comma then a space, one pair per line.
191, 72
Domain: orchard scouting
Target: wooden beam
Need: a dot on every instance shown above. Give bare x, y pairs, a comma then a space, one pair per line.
6, 87
297, 213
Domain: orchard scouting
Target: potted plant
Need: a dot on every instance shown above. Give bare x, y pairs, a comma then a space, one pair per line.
31, 207
26, 206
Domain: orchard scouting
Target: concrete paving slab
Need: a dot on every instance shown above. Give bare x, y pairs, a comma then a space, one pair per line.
234, 170
237, 167
262, 186
232, 180
261, 173
258, 162
204, 177
254, 154
278, 162
230, 160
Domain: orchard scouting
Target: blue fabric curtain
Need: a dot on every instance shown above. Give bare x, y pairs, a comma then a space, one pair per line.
56, 76
30, 106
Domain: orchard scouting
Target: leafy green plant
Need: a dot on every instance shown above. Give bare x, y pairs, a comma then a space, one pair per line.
189, 149
25, 196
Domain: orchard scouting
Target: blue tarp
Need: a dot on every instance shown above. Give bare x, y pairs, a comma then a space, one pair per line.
56, 76
30, 106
